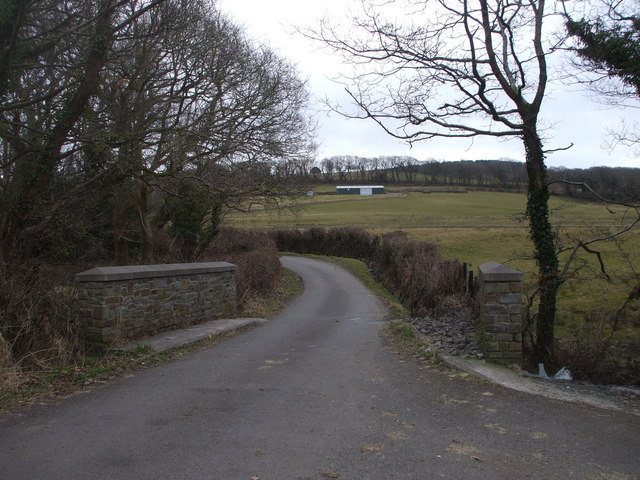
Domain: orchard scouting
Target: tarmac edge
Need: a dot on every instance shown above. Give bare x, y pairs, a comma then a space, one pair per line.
553, 389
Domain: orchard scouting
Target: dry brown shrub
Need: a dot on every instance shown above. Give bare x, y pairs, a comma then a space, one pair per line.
5, 356
38, 317
256, 257
412, 270
417, 273
599, 362
338, 242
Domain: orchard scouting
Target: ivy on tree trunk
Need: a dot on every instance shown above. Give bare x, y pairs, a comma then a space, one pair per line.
543, 236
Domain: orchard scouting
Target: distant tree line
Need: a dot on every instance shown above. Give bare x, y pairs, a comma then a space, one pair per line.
610, 182
404, 170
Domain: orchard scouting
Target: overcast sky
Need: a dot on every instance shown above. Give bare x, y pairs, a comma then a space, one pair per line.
575, 118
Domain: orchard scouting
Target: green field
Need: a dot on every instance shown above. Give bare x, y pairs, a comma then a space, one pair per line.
477, 227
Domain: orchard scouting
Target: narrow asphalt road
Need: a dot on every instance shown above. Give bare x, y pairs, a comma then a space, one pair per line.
314, 394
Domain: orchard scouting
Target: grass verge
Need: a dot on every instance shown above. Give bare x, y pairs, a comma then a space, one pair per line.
408, 342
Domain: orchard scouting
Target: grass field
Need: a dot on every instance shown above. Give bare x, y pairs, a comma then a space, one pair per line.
477, 227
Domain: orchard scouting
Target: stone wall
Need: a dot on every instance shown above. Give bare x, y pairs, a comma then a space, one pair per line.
120, 304
500, 302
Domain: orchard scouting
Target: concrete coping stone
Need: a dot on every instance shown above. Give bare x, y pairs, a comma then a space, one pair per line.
496, 272
131, 272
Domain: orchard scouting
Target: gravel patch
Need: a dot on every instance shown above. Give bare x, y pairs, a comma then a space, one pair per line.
453, 334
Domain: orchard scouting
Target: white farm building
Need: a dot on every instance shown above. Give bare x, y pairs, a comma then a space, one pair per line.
360, 190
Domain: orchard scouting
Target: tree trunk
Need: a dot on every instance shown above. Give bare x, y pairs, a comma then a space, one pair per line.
119, 226
13, 12
11, 227
544, 242
145, 225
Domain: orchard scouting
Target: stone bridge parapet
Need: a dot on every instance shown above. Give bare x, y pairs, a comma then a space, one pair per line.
120, 304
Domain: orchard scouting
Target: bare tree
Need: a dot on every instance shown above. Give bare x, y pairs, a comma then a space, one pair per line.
134, 96
52, 54
340, 167
328, 167
135, 116
252, 141
463, 69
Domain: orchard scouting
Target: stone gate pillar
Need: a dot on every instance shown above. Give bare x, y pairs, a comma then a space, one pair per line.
500, 301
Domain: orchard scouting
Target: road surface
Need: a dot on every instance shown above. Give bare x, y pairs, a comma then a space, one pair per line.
314, 394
